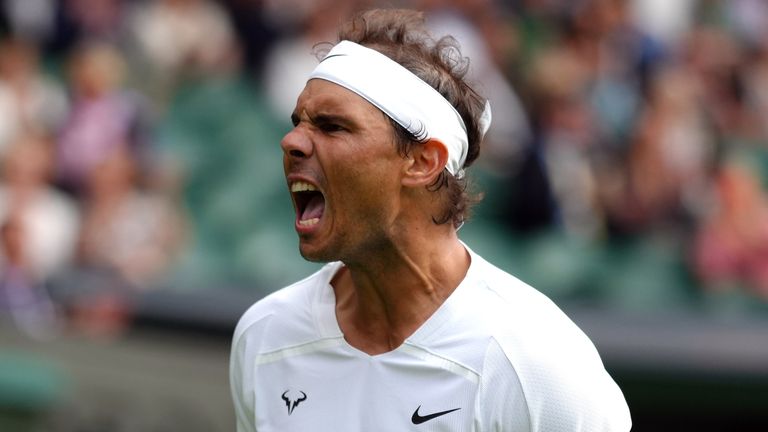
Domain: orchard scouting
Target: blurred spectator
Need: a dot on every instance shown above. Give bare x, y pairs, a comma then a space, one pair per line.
291, 60
95, 19
255, 32
756, 91
731, 246
135, 234
49, 219
584, 88
664, 20
622, 60
38, 230
104, 115
668, 161
129, 238
749, 20
81, 20
179, 38
23, 295
718, 62
55, 27
29, 100
564, 135
31, 20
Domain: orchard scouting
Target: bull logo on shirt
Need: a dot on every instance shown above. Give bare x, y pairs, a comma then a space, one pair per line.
292, 400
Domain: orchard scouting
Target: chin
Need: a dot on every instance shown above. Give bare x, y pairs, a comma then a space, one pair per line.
318, 256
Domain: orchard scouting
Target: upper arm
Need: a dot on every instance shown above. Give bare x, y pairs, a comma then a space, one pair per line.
246, 342
241, 386
565, 386
501, 402
575, 398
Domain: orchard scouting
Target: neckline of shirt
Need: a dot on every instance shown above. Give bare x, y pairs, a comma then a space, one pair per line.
324, 305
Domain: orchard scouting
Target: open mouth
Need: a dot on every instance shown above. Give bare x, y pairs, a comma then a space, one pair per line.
310, 203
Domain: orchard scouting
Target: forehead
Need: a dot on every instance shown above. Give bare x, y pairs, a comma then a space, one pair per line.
324, 96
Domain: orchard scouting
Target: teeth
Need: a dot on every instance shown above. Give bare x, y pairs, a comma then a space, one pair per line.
309, 222
302, 187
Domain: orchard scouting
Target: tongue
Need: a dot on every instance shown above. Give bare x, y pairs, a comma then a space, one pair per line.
314, 208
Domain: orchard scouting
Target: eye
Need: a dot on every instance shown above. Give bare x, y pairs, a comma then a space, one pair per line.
330, 127
294, 120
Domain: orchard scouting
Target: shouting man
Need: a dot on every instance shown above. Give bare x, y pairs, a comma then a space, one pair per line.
406, 328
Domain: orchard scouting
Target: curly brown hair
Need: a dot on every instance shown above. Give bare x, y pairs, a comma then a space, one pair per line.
402, 35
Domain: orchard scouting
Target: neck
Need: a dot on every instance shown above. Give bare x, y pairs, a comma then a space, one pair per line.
383, 299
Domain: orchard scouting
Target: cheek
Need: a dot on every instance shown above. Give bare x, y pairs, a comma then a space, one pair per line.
368, 177
373, 195
362, 191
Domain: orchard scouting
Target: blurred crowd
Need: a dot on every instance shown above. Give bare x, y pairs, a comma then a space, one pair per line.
139, 138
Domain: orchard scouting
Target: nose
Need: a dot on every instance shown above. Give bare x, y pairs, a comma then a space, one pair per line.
296, 143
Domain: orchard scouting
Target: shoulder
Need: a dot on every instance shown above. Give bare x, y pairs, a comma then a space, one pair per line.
517, 309
554, 366
526, 323
285, 314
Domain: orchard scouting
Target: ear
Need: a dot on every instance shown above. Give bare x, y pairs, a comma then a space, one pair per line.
425, 162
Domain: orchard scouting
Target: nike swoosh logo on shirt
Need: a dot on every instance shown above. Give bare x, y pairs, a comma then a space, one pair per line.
416, 418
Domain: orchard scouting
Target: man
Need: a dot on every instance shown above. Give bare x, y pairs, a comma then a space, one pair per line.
406, 328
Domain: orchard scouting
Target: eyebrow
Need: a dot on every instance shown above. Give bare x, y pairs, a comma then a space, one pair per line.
330, 118
324, 118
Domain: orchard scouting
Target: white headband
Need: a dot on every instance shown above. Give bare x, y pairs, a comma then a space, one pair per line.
404, 97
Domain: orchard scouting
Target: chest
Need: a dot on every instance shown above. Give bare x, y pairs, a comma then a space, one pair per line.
341, 392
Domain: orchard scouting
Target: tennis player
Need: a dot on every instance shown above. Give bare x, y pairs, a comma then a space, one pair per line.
405, 328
